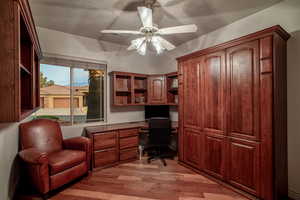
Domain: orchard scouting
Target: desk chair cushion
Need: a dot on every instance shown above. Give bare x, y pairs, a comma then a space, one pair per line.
65, 159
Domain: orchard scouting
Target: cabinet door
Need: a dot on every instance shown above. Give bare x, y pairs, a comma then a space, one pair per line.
157, 89
191, 94
243, 165
214, 155
213, 98
192, 147
243, 91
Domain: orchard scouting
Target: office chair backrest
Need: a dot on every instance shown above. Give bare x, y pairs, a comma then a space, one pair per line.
159, 131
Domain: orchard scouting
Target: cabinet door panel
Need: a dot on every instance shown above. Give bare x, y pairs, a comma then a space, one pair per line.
243, 168
192, 147
214, 152
191, 94
243, 94
157, 90
213, 92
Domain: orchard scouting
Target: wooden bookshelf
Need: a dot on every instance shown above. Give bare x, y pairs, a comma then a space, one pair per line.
19, 68
172, 88
140, 90
132, 89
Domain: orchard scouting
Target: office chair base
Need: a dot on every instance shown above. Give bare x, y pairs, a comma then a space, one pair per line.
156, 158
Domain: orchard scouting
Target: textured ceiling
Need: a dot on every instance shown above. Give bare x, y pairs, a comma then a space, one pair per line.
88, 17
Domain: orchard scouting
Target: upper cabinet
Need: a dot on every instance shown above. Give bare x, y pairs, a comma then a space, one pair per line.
157, 89
131, 89
19, 61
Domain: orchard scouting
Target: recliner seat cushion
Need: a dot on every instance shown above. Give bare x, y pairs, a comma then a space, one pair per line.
65, 159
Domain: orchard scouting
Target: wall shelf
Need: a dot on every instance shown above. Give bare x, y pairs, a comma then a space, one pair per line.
19, 68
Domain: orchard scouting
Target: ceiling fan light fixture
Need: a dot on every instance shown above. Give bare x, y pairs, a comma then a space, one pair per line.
157, 45
143, 48
152, 34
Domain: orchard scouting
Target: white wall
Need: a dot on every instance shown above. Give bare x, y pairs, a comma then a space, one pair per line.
286, 14
118, 59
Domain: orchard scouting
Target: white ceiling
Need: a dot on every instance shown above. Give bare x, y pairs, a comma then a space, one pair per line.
88, 17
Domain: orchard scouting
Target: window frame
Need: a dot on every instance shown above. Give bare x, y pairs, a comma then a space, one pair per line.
53, 59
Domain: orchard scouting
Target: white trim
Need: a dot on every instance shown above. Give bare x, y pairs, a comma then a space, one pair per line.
53, 55
294, 195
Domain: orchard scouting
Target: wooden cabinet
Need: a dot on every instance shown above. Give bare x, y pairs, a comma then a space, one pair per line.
214, 155
192, 148
131, 89
157, 89
110, 147
243, 90
244, 165
19, 61
213, 72
232, 104
191, 95
105, 148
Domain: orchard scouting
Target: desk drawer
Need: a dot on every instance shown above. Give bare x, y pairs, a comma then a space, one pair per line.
105, 157
105, 140
129, 142
129, 154
128, 132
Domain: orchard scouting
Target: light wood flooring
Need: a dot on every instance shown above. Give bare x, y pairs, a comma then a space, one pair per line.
141, 181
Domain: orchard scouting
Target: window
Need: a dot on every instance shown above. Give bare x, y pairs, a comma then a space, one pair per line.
72, 92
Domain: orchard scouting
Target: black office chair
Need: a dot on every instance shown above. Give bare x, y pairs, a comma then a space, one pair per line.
159, 139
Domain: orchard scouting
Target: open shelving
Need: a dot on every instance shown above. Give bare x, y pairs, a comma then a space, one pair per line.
172, 88
19, 62
140, 89
132, 89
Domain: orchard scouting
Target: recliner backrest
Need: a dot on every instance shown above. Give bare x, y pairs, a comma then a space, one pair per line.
43, 134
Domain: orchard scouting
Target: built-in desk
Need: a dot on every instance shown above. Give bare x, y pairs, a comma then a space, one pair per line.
115, 143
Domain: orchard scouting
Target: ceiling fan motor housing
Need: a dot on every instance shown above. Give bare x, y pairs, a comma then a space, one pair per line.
149, 3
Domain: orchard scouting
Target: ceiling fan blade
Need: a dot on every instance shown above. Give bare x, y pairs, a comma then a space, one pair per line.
142, 49
165, 44
121, 32
178, 29
135, 44
146, 16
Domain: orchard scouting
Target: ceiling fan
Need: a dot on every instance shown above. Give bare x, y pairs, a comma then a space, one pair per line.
151, 34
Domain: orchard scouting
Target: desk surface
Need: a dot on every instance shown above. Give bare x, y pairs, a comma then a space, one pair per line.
113, 127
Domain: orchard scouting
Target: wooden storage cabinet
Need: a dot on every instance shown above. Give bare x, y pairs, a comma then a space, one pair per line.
244, 165
19, 61
129, 141
114, 146
106, 157
232, 103
105, 149
131, 89
105, 140
157, 89
192, 149
214, 155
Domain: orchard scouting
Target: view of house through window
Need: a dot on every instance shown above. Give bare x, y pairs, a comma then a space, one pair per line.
71, 95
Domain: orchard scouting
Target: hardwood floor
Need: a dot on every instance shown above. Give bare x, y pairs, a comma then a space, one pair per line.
141, 181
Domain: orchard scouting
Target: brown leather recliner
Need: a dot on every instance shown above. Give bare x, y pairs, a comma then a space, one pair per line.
49, 160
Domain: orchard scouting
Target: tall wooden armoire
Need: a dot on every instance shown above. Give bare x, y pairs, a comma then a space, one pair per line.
233, 112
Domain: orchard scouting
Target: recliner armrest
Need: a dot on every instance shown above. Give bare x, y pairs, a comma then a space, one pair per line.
82, 144
34, 156
77, 143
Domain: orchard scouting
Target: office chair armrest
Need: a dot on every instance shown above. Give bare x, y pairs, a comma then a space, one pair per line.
34, 156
